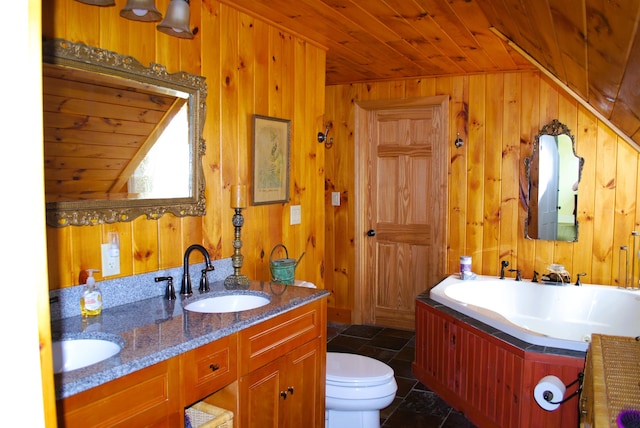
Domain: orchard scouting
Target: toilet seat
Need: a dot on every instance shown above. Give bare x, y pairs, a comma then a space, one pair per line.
356, 371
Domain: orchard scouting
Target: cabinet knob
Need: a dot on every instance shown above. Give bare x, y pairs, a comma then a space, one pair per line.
283, 394
371, 232
214, 367
290, 389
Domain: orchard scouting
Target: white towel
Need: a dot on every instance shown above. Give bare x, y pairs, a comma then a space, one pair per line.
304, 284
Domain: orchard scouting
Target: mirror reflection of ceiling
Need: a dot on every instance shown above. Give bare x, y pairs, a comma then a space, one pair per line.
108, 138
593, 47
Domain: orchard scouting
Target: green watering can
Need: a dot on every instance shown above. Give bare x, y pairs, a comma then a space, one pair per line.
283, 270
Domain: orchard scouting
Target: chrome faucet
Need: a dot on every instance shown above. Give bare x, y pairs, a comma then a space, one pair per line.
185, 289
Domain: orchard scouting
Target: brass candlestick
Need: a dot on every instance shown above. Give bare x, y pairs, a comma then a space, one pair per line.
238, 201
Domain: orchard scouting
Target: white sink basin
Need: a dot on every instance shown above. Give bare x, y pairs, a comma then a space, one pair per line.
77, 353
227, 303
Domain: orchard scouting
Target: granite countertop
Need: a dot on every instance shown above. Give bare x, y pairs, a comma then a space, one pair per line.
155, 329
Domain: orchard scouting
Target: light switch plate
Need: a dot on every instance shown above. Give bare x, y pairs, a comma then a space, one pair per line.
335, 199
296, 214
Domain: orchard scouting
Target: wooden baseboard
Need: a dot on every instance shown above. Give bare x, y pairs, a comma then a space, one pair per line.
339, 315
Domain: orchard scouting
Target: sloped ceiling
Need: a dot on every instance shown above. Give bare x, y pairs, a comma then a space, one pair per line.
592, 46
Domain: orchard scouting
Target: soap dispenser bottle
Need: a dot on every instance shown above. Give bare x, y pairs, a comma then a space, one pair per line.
91, 298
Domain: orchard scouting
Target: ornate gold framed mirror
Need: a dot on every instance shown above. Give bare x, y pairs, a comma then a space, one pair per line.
553, 172
121, 140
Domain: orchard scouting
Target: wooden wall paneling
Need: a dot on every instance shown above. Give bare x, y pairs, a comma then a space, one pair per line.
605, 192
229, 121
316, 157
145, 245
625, 210
529, 126
510, 226
548, 102
245, 63
89, 16
475, 149
567, 114
302, 234
259, 214
86, 251
339, 160
586, 130
494, 113
210, 226
170, 242
59, 257
333, 116
457, 89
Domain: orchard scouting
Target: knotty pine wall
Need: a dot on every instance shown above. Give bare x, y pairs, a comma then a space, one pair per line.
251, 68
497, 115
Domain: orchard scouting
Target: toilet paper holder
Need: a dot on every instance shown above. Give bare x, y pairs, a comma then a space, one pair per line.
548, 395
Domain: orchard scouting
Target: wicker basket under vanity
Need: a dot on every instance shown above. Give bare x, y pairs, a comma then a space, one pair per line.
205, 415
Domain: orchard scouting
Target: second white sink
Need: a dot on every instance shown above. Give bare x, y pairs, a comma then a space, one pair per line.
228, 303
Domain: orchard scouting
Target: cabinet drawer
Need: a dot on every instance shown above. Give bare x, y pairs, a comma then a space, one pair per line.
208, 368
273, 338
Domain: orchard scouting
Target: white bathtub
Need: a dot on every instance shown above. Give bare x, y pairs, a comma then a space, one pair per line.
547, 315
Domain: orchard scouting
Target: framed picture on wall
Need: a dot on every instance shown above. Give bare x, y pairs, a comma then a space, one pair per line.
271, 143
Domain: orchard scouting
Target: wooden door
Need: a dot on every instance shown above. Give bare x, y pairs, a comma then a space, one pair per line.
404, 196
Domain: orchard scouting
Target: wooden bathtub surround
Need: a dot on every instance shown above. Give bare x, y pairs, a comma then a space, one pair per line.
249, 373
488, 379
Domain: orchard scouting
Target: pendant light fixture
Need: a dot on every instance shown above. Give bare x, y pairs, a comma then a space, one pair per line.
141, 10
176, 20
98, 2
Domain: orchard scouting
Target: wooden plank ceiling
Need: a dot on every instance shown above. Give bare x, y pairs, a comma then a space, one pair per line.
592, 46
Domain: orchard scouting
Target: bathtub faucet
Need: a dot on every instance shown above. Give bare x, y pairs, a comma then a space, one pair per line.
517, 271
504, 264
578, 282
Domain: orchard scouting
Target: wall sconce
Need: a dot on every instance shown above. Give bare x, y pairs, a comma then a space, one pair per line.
98, 2
459, 142
323, 137
141, 10
176, 21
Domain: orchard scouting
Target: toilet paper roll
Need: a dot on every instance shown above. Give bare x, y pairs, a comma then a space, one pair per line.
549, 392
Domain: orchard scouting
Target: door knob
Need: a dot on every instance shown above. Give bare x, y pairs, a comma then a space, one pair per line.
371, 232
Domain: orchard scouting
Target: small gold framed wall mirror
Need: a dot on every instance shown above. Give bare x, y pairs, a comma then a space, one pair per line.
553, 172
121, 140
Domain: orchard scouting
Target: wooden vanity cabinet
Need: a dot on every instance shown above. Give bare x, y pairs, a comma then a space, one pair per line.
147, 397
282, 380
269, 375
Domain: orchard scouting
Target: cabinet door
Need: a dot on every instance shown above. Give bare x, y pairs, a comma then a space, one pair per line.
303, 402
260, 396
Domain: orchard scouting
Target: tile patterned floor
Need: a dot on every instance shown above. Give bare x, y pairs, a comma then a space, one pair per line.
415, 406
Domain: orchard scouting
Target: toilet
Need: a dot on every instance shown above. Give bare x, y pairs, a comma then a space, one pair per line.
357, 388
